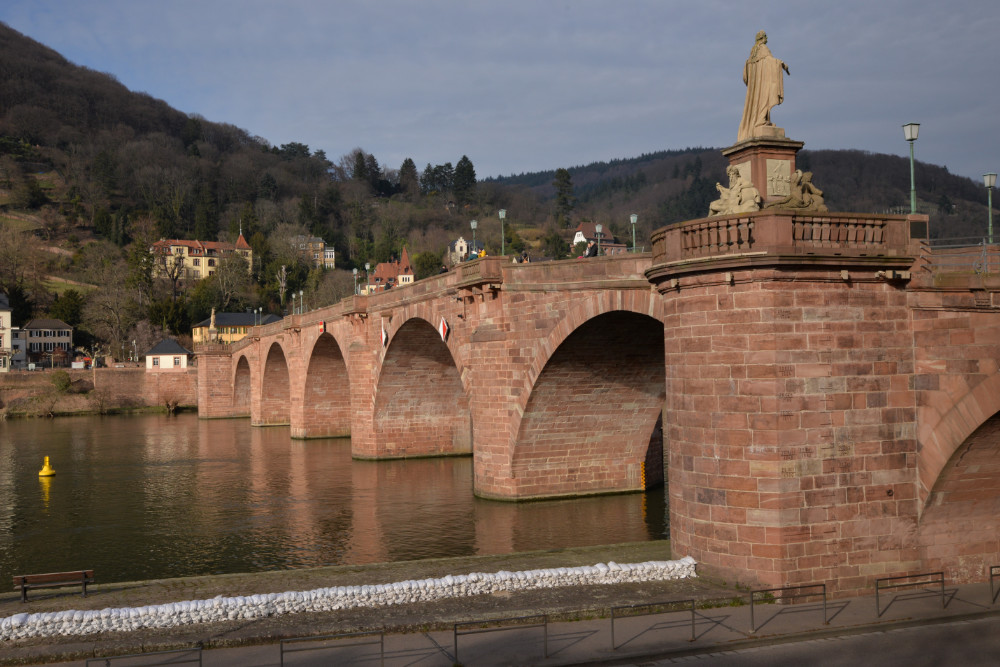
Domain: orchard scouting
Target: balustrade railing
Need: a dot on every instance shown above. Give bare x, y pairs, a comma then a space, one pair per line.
785, 233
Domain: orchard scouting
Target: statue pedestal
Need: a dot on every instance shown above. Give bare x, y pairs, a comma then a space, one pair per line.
767, 162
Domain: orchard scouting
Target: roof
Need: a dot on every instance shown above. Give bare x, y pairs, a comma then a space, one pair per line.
4, 301
44, 323
389, 271
167, 346
200, 248
238, 320
589, 231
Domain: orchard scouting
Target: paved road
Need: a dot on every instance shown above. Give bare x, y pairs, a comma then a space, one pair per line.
962, 643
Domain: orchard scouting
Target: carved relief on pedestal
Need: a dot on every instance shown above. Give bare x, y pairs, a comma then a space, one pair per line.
778, 178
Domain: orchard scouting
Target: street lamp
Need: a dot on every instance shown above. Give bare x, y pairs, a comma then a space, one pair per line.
990, 181
474, 224
355, 280
598, 229
302, 303
368, 279
634, 218
293, 303
503, 247
910, 132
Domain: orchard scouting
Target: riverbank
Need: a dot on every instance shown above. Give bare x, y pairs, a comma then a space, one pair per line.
48, 392
569, 602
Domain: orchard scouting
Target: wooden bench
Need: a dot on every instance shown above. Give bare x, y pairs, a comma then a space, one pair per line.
53, 580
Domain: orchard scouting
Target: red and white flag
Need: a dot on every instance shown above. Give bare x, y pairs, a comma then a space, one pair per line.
443, 329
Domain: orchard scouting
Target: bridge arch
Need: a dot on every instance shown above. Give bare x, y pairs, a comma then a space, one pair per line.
275, 394
940, 442
592, 420
242, 381
326, 404
421, 404
959, 467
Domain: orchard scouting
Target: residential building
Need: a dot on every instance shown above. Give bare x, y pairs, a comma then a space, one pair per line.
19, 345
48, 341
196, 259
228, 327
587, 231
6, 335
461, 250
167, 355
315, 250
387, 275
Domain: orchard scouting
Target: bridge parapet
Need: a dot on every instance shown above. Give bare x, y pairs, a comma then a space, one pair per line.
780, 237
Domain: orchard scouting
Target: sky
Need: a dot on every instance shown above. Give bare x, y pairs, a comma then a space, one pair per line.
530, 85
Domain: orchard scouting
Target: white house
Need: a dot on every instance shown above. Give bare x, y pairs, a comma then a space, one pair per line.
167, 355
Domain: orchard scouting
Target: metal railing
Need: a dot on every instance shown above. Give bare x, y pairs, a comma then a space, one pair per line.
788, 593
503, 624
182, 656
335, 643
649, 609
908, 581
994, 590
974, 255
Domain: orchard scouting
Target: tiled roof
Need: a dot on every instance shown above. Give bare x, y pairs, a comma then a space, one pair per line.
46, 324
168, 346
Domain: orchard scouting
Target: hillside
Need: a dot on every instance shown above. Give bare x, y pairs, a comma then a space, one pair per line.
92, 173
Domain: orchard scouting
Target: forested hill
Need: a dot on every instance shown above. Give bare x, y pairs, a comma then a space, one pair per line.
676, 185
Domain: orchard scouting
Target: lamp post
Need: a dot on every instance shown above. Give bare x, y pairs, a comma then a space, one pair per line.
503, 238
368, 279
990, 181
634, 218
302, 303
474, 224
910, 131
598, 229
355, 280
293, 303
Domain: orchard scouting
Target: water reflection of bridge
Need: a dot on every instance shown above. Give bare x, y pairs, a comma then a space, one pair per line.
822, 383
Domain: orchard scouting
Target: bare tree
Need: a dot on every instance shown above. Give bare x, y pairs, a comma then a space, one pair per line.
111, 313
282, 277
232, 276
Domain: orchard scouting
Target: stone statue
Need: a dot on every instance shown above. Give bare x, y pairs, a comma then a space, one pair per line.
765, 89
740, 197
803, 195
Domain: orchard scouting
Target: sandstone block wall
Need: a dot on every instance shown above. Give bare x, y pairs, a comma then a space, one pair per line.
790, 426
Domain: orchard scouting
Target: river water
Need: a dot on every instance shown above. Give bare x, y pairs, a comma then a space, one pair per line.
157, 496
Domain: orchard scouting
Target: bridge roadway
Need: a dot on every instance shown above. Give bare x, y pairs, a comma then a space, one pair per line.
817, 391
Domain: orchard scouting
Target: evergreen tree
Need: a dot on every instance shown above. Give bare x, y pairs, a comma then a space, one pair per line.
464, 184
409, 182
565, 201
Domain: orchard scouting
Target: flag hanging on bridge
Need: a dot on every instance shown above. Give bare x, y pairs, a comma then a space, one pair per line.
443, 329
385, 336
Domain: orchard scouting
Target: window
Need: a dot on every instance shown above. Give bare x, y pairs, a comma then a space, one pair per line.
211, 262
177, 361
196, 262
156, 361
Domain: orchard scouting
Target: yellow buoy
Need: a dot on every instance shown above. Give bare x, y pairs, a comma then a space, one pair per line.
47, 470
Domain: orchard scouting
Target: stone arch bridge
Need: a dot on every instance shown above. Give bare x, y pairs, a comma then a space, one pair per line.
819, 391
